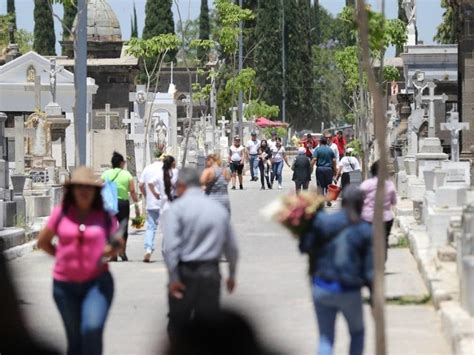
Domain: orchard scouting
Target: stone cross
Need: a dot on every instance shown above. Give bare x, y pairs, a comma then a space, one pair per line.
107, 114
52, 77
432, 98
454, 126
37, 88
19, 133
223, 122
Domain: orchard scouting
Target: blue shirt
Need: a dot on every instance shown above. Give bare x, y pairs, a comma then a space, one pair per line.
324, 156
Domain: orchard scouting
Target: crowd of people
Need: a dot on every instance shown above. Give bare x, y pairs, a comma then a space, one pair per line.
193, 210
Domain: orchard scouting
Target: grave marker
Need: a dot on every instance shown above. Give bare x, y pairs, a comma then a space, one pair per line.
454, 126
19, 133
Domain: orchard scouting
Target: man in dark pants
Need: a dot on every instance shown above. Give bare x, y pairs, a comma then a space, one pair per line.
196, 233
301, 171
325, 161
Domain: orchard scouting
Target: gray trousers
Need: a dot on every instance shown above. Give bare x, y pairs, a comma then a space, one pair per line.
201, 297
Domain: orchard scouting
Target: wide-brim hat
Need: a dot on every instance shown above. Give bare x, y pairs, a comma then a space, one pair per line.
84, 176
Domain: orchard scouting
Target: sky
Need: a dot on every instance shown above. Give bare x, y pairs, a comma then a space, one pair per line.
429, 13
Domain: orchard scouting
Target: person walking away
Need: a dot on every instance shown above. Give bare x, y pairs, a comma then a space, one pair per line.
310, 145
236, 161
162, 186
341, 263
340, 141
215, 181
264, 156
369, 186
153, 203
333, 146
196, 234
125, 186
83, 287
278, 157
325, 161
301, 171
252, 147
347, 165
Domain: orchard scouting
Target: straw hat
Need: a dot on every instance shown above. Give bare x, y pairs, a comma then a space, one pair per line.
84, 176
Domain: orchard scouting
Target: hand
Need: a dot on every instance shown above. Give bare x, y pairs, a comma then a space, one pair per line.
230, 284
137, 210
176, 289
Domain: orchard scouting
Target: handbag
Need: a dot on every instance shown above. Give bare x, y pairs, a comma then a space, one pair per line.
109, 194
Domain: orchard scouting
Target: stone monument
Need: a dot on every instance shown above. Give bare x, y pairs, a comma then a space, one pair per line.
410, 12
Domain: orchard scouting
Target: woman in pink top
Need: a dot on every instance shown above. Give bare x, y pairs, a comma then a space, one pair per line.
83, 287
369, 186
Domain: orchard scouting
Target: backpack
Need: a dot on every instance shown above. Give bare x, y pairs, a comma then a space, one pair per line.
109, 194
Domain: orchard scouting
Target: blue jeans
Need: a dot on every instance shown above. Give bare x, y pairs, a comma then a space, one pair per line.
277, 171
327, 305
152, 217
84, 308
253, 160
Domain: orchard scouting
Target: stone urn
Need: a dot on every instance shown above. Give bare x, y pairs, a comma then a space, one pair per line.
18, 182
418, 211
429, 176
440, 177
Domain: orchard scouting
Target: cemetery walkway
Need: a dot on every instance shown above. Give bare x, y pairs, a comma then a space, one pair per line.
272, 290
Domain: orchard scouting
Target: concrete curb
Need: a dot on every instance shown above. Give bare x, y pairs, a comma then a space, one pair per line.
442, 283
19, 251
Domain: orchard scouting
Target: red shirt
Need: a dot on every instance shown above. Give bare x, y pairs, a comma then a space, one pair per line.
341, 144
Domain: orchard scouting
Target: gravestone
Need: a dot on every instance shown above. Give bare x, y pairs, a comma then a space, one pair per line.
19, 132
454, 127
457, 173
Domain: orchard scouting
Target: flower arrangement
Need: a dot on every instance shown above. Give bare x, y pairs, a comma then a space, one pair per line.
296, 212
138, 222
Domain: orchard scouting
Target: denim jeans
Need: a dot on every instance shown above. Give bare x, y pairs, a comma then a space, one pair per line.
84, 308
327, 305
277, 171
253, 160
152, 217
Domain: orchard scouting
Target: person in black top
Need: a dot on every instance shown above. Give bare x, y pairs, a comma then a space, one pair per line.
264, 155
301, 171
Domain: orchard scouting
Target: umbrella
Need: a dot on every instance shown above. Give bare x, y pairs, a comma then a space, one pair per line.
263, 122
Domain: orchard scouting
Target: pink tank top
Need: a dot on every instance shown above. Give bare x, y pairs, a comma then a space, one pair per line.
79, 254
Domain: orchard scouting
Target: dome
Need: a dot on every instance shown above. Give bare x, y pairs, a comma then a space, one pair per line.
102, 23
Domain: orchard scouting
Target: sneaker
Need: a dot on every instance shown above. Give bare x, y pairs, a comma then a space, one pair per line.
279, 187
233, 187
147, 257
329, 204
241, 187
262, 188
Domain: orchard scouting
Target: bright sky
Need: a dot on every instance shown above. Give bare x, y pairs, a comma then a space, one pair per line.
429, 13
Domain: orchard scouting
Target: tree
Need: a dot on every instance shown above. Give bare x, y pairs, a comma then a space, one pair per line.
159, 20
152, 53
134, 32
204, 29
44, 38
11, 11
402, 16
447, 31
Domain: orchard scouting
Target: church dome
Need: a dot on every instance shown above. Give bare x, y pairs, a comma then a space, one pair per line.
102, 23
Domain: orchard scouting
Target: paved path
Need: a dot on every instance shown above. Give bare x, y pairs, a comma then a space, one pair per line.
273, 290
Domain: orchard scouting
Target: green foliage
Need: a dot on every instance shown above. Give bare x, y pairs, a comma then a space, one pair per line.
447, 31
44, 38
70, 11
280, 131
204, 29
244, 81
152, 47
357, 146
23, 38
390, 73
348, 63
11, 11
134, 33
159, 20
257, 108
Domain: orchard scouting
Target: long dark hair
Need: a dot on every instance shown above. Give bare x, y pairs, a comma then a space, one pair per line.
167, 174
117, 160
70, 201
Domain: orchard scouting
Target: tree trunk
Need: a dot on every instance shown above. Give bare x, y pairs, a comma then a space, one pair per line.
379, 231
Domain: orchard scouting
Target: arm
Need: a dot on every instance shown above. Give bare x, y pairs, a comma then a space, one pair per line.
226, 174
155, 193
204, 180
313, 163
334, 167
285, 157
141, 185
133, 193
231, 253
44, 241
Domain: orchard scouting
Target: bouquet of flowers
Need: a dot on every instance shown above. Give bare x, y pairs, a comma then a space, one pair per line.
296, 212
138, 222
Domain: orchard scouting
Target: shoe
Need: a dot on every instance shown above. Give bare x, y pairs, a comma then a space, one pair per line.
124, 257
329, 204
262, 188
279, 187
233, 188
113, 259
147, 257
241, 187
270, 187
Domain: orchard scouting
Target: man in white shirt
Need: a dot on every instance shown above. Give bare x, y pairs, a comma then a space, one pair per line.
252, 146
150, 174
236, 162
